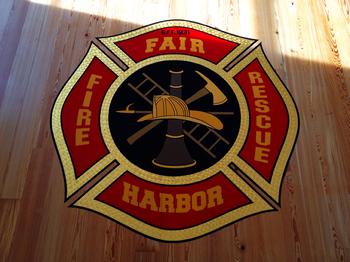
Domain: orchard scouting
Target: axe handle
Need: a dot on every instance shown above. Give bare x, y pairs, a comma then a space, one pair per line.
133, 138
200, 93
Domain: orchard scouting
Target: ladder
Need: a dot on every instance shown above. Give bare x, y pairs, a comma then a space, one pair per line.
154, 86
189, 132
210, 132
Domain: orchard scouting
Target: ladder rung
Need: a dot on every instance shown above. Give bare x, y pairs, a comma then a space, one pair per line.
214, 144
142, 95
155, 83
149, 91
142, 82
205, 135
194, 128
213, 132
220, 137
198, 143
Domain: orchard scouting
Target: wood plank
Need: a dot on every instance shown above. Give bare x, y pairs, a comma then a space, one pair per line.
9, 210
13, 14
307, 42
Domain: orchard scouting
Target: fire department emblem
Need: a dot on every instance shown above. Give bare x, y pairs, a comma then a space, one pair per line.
192, 124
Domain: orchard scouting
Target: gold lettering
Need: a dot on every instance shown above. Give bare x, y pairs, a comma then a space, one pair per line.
182, 43
262, 121
215, 196
259, 91
93, 81
197, 45
87, 99
150, 44
262, 106
84, 115
166, 203
81, 136
183, 203
261, 154
148, 199
199, 201
167, 44
263, 142
253, 76
130, 193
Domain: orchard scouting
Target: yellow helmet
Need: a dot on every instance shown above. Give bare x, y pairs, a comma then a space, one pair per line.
172, 107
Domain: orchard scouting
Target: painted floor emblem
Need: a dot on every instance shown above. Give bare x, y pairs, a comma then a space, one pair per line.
194, 120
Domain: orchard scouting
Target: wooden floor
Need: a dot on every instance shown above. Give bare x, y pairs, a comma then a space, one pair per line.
307, 41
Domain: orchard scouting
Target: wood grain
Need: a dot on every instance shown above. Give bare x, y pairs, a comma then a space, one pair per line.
307, 41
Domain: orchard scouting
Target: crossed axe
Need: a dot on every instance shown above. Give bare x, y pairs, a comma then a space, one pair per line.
210, 88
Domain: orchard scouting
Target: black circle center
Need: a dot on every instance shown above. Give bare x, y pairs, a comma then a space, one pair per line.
204, 144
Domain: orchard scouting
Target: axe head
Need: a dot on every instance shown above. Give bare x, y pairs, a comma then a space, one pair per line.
218, 96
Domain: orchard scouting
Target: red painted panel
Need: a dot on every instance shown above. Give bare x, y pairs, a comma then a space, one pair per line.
215, 48
231, 195
84, 156
278, 120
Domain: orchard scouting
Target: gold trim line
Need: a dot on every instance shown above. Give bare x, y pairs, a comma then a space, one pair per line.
174, 167
172, 136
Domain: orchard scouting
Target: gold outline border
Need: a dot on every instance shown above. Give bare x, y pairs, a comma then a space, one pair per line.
244, 43
175, 180
273, 188
88, 201
258, 203
73, 183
